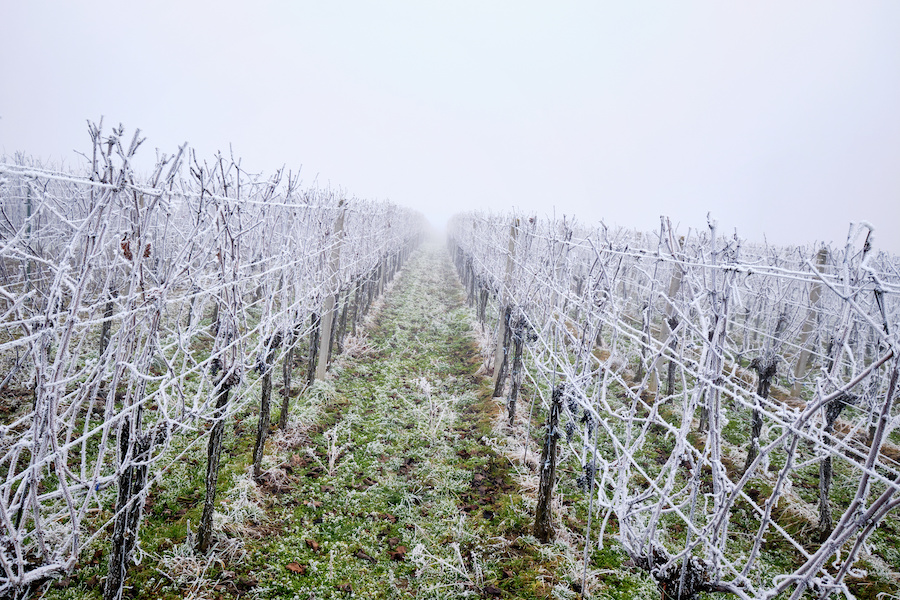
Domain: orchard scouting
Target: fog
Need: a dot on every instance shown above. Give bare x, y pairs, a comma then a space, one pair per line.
779, 119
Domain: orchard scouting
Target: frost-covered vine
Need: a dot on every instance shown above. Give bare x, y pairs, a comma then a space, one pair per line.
136, 309
706, 379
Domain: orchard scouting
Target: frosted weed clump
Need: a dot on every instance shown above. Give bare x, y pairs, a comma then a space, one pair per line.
55, 533
181, 565
484, 341
375, 447
321, 391
522, 453
335, 450
304, 413
438, 406
447, 569
423, 386
357, 346
295, 436
184, 566
275, 478
241, 510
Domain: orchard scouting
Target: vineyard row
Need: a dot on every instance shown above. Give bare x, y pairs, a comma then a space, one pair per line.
729, 408
142, 311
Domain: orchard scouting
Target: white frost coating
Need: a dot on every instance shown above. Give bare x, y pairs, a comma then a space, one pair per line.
686, 509
193, 269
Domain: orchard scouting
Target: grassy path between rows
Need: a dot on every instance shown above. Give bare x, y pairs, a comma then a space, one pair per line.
398, 496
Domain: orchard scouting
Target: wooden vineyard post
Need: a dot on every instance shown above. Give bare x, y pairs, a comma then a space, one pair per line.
503, 335
342, 322
706, 392
357, 298
670, 324
286, 368
334, 325
327, 321
195, 292
107, 320
314, 335
105, 334
815, 292
28, 212
214, 327
470, 274
482, 302
543, 529
519, 334
502, 349
579, 290
364, 300
670, 320
639, 372
371, 285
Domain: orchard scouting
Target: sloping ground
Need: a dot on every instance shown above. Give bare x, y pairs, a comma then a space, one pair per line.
391, 483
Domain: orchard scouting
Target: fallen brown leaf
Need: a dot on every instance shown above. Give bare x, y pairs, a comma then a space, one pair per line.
362, 555
398, 553
296, 567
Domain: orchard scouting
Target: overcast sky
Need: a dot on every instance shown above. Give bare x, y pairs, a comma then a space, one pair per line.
780, 118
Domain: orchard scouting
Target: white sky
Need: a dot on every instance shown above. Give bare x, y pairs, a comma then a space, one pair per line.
781, 118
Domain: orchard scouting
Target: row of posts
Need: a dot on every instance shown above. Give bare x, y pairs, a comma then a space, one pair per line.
513, 332
327, 329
